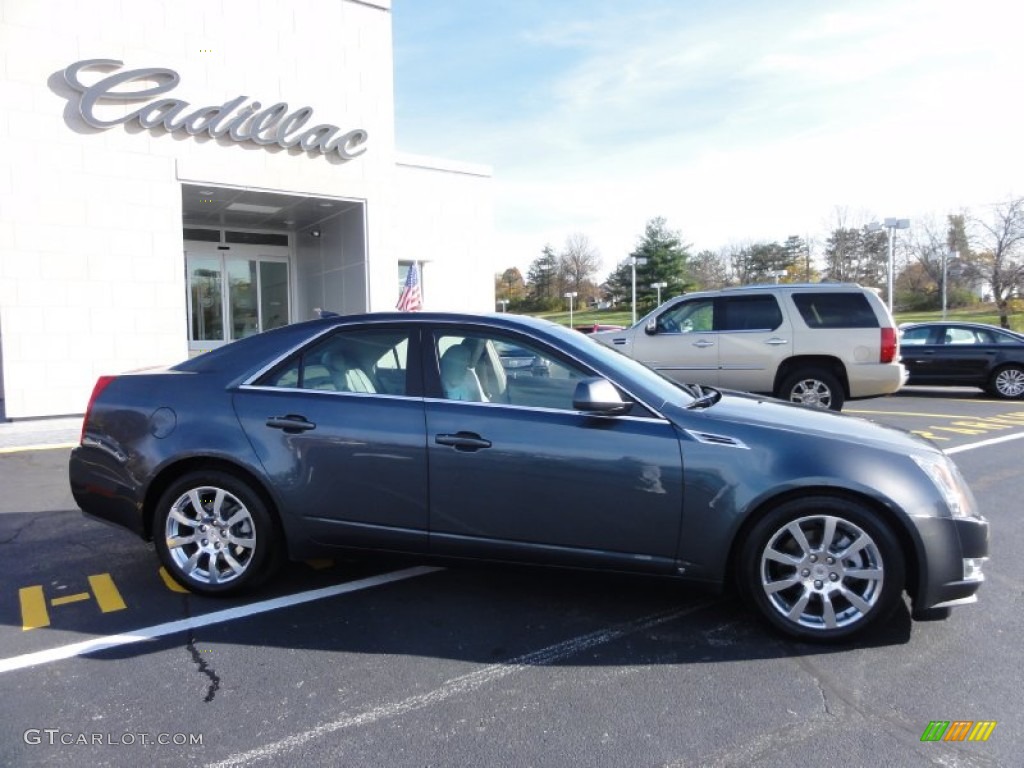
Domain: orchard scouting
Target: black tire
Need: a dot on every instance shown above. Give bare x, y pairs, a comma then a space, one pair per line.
228, 545
1007, 382
821, 589
813, 387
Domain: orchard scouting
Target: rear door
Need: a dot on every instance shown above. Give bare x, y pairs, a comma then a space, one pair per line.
339, 429
753, 340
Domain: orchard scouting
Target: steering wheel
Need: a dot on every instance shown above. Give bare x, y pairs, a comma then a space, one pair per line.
668, 323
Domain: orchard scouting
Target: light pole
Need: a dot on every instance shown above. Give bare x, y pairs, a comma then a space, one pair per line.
946, 257
570, 296
634, 260
892, 225
659, 286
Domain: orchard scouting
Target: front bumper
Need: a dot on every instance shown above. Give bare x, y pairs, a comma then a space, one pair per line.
952, 567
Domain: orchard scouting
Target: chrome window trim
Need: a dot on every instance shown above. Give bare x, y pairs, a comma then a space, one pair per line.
431, 325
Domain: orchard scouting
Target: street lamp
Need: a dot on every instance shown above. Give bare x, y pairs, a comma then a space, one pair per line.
570, 296
892, 225
634, 260
946, 257
659, 286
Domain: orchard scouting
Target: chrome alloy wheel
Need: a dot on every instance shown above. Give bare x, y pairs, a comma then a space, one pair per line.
210, 535
812, 392
1009, 382
822, 572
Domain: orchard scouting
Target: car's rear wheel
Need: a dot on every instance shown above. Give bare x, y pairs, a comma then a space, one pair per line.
813, 387
822, 568
1008, 382
214, 534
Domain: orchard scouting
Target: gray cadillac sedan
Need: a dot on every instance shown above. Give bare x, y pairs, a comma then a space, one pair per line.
405, 433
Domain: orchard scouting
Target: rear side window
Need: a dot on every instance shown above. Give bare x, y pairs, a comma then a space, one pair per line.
835, 310
748, 313
363, 361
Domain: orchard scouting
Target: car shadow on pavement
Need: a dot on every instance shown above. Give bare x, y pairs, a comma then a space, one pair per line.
480, 614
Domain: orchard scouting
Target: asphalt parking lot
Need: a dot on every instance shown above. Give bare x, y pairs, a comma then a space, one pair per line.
105, 662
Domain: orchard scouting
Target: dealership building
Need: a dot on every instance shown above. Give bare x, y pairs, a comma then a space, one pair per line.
175, 176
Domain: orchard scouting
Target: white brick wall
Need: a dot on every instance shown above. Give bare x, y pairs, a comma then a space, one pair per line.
91, 265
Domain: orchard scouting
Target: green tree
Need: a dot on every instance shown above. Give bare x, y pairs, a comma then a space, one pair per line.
762, 262
666, 262
543, 280
857, 256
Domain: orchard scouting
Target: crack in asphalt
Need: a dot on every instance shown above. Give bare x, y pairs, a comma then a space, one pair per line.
18, 531
202, 664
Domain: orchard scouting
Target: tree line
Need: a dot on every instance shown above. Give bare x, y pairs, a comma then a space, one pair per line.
973, 257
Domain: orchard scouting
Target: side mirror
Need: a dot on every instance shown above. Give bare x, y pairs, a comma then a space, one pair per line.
599, 397
651, 328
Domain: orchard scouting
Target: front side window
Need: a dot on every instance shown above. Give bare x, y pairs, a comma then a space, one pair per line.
697, 316
363, 361
483, 368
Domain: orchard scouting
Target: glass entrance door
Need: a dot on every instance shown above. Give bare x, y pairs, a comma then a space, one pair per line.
236, 293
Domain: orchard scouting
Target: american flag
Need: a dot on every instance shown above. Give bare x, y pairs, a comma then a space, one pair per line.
411, 299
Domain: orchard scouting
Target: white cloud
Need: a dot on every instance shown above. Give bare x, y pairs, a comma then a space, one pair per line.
750, 121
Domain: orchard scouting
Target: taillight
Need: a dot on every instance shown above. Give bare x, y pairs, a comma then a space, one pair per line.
101, 383
889, 345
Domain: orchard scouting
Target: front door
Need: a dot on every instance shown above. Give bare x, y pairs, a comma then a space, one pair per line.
683, 344
516, 472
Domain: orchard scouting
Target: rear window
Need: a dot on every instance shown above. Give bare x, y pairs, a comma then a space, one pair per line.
835, 310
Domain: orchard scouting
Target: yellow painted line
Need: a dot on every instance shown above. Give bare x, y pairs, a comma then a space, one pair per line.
910, 413
41, 447
33, 608
70, 599
170, 583
106, 593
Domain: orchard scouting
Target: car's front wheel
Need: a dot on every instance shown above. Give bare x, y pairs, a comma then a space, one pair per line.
822, 568
1008, 382
813, 387
214, 534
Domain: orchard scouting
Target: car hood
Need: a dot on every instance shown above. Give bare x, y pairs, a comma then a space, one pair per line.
745, 410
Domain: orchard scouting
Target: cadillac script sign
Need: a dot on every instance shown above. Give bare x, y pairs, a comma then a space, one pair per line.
253, 122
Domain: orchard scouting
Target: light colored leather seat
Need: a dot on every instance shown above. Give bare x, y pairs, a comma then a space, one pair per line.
346, 375
459, 380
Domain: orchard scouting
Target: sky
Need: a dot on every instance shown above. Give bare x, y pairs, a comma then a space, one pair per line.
735, 120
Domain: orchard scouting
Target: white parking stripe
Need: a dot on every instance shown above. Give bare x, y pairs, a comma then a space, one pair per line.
985, 443
462, 685
205, 620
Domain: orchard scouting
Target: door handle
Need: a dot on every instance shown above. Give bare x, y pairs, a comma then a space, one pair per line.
291, 423
703, 343
463, 441
776, 341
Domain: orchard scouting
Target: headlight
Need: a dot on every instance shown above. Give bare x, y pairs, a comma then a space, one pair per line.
948, 480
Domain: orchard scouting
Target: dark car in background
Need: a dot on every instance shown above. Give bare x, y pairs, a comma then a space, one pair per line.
964, 355
409, 433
